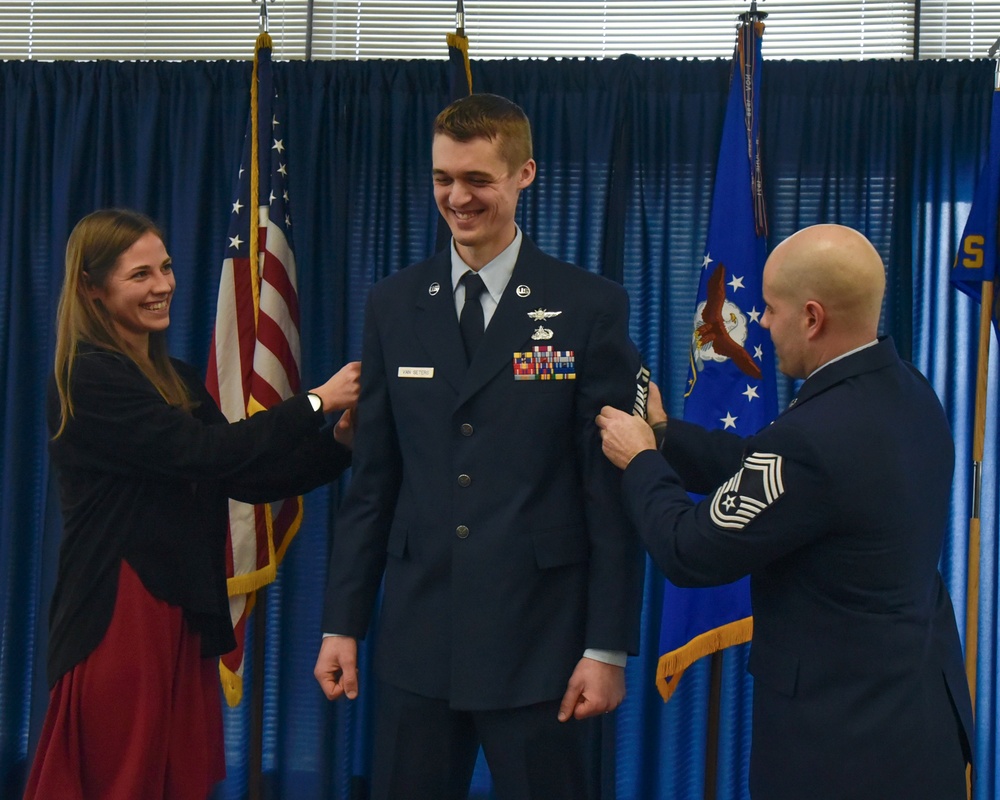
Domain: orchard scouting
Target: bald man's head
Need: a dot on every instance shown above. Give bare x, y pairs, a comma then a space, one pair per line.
836, 266
823, 286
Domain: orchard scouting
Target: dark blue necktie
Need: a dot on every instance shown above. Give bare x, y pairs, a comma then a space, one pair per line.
471, 319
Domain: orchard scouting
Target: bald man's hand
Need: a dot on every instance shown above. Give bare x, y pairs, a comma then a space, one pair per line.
655, 414
623, 436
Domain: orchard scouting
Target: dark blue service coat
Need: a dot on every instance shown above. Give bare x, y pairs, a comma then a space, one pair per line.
484, 499
837, 511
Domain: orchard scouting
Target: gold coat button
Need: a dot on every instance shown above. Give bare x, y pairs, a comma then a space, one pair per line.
462, 531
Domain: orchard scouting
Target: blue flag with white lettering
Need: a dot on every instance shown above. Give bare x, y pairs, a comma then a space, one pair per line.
731, 381
979, 248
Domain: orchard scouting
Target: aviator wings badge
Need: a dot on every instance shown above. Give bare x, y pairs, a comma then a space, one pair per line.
538, 315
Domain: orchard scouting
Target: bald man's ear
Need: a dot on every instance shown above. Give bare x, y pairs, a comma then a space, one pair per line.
815, 318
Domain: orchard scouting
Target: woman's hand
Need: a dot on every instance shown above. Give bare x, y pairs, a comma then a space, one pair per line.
341, 391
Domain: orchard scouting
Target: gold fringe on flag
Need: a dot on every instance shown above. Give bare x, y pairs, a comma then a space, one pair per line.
672, 665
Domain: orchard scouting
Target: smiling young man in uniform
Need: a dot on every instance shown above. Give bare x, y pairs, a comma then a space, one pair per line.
513, 582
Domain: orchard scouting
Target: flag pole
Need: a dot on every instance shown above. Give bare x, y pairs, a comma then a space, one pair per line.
978, 446
263, 13
459, 42
459, 86
747, 18
255, 779
978, 440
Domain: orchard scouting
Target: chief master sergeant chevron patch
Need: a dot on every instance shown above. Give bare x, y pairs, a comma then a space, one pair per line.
756, 486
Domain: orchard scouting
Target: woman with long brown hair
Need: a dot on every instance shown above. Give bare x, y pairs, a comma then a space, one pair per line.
146, 462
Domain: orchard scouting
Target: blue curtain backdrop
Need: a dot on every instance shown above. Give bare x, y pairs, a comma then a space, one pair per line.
626, 151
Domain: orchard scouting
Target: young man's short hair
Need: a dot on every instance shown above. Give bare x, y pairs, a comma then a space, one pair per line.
492, 117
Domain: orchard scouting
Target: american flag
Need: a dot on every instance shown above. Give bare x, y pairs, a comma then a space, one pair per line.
254, 360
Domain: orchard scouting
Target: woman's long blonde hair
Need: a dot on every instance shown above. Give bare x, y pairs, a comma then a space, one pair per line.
92, 253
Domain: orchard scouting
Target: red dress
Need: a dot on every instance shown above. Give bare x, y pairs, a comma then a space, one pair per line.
140, 717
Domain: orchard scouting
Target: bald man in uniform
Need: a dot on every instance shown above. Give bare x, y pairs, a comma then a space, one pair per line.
837, 511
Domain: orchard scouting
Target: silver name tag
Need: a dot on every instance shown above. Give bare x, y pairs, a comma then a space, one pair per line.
415, 372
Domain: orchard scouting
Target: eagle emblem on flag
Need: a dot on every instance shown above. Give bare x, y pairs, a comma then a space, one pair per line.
721, 328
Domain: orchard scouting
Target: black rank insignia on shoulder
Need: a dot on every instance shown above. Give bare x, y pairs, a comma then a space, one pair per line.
756, 486
641, 391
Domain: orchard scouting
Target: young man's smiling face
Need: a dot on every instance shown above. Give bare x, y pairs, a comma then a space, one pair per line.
476, 192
